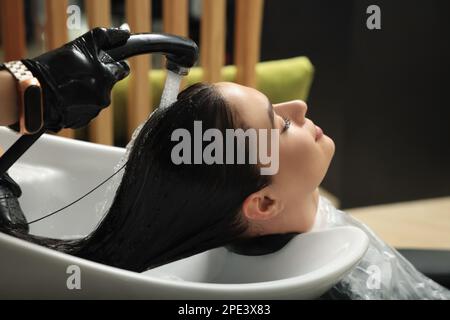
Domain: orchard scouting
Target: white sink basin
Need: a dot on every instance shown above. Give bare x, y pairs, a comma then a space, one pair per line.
55, 171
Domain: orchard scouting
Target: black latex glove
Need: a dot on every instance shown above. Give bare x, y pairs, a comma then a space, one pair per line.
77, 79
11, 215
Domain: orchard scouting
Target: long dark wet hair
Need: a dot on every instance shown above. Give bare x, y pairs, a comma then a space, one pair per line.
161, 211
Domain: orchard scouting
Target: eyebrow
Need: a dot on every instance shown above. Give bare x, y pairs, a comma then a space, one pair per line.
270, 112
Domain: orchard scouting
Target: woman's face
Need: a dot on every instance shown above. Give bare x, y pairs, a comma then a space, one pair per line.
305, 152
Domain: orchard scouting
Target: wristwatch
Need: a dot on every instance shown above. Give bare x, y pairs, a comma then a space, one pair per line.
29, 93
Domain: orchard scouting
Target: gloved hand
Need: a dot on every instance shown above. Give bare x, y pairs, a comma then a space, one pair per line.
77, 79
11, 214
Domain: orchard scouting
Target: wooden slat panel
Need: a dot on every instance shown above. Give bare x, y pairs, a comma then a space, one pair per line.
249, 15
101, 129
212, 49
176, 21
56, 35
139, 96
175, 17
12, 18
56, 29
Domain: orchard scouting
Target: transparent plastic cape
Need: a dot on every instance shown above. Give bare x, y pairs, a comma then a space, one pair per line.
382, 273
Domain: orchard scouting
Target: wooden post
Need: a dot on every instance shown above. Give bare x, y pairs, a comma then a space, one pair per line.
101, 128
249, 15
56, 35
139, 95
13, 29
176, 21
175, 17
212, 49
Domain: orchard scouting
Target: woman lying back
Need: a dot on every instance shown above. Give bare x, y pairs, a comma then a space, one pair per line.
166, 208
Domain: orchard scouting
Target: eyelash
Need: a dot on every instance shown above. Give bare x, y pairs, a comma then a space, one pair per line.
287, 124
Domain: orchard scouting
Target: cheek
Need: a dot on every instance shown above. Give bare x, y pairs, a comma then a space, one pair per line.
303, 162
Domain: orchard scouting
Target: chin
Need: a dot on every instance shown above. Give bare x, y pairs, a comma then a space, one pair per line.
328, 157
329, 146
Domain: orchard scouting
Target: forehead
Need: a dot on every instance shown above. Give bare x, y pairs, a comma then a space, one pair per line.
250, 105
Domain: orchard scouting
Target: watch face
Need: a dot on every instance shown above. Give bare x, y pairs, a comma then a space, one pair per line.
32, 108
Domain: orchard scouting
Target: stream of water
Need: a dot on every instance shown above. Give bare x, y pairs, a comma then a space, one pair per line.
169, 95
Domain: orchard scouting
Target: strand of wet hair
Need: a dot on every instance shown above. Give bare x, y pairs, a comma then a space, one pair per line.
80, 198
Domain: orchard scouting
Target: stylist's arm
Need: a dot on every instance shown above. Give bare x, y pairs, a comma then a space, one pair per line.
76, 82
77, 79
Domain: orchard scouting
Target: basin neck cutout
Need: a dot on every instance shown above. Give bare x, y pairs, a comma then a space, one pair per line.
262, 245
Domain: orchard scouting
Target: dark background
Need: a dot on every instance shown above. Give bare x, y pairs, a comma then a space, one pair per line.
382, 95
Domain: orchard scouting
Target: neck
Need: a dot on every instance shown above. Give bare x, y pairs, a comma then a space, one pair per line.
315, 195
314, 203
298, 217
303, 216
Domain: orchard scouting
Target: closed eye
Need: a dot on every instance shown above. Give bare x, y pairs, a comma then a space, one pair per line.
287, 124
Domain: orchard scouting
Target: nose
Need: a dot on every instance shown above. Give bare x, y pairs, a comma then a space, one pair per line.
294, 110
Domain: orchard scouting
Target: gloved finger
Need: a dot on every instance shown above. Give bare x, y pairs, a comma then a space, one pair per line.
110, 38
119, 69
80, 115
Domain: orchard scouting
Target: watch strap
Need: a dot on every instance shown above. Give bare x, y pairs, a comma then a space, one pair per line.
30, 113
18, 70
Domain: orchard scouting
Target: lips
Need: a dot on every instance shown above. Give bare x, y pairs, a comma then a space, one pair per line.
319, 133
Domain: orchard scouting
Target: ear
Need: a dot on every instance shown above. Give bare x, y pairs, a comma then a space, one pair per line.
262, 205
